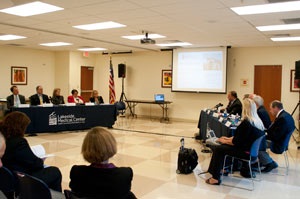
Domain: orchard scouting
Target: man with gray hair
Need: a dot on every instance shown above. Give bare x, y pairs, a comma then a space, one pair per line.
261, 111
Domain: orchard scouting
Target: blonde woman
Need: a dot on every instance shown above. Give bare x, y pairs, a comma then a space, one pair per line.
96, 98
100, 179
239, 145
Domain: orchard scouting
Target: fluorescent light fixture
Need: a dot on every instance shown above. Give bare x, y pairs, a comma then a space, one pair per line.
56, 44
285, 39
10, 37
279, 27
267, 8
29, 9
100, 26
91, 49
137, 37
175, 44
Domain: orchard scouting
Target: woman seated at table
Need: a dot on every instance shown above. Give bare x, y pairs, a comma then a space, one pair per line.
239, 145
75, 98
18, 155
100, 179
96, 98
56, 97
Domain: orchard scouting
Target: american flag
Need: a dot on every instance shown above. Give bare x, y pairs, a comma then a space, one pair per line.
112, 93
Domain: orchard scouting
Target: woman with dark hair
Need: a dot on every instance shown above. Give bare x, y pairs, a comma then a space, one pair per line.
75, 98
18, 155
56, 97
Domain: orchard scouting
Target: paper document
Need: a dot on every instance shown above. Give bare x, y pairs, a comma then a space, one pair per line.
40, 152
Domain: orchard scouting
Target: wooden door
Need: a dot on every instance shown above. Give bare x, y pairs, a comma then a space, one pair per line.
87, 81
267, 83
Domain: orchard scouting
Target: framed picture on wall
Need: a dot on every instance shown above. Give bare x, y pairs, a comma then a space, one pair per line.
18, 75
166, 79
295, 83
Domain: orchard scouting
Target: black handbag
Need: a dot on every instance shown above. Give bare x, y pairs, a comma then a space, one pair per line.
187, 159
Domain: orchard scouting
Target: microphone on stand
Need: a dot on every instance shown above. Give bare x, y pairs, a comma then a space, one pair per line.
218, 105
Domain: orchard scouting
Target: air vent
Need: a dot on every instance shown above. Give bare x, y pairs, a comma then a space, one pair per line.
291, 21
280, 35
14, 44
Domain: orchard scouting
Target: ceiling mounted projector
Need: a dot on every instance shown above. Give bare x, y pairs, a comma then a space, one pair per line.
147, 40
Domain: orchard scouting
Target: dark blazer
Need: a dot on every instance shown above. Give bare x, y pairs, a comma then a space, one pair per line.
57, 100
19, 157
264, 116
101, 182
235, 107
282, 127
100, 99
35, 100
11, 101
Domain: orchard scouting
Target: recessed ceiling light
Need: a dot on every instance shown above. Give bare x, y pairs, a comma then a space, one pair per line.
99, 26
267, 8
10, 37
279, 27
174, 44
285, 39
29, 9
56, 44
137, 37
91, 49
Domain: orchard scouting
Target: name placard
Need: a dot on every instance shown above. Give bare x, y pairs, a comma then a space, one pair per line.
228, 123
221, 119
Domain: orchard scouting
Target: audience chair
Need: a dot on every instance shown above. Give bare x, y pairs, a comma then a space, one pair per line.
253, 158
71, 195
32, 188
7, 183
285, 154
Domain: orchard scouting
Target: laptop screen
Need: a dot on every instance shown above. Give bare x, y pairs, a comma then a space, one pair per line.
159, 97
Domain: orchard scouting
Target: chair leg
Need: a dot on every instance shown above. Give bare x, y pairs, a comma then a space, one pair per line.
286, 158
251, 174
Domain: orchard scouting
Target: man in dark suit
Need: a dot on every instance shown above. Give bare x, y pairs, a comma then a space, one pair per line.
39, 98
234, 106
15, 99
282, 128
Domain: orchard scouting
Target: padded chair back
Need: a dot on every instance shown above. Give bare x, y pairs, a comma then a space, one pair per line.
255, 147
7, 182
287, 140
32, 188
120, 105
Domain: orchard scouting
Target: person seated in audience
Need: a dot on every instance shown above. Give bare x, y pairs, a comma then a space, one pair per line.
19, 156
56, 97
96, 98
250, 128
100, 179
15, 99
39, 98
261, 110
75, 98
282, 127
2, 148
234, 106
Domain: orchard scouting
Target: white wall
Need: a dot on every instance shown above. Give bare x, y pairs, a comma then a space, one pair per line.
143, 78
40, 64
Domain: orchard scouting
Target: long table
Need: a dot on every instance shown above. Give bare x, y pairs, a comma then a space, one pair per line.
164, 105
219, 128
67, 118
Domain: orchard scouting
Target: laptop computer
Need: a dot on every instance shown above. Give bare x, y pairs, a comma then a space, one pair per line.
159, 97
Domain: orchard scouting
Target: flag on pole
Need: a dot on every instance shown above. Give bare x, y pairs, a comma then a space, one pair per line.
112, 93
